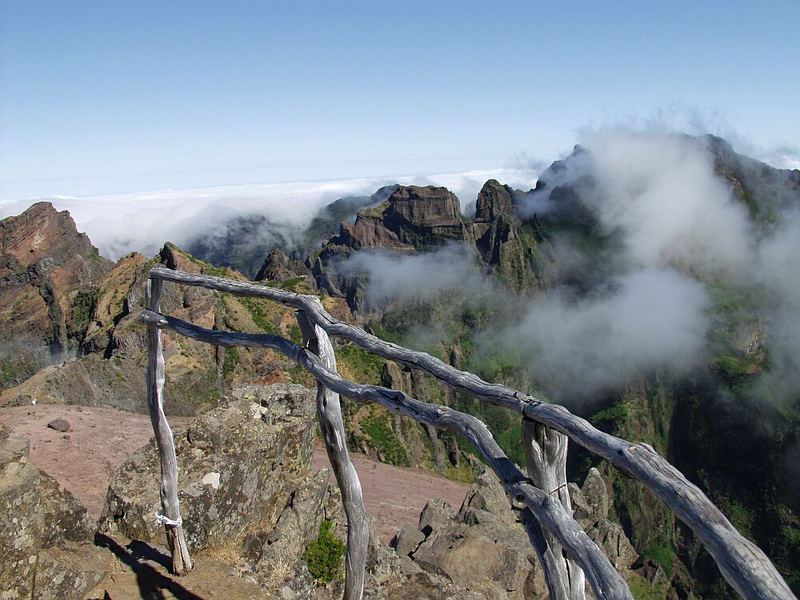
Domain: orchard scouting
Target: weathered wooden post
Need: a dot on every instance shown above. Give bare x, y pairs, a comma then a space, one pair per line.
329, 411
171, 516
546, 455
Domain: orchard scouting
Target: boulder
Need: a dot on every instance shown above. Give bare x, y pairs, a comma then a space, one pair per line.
483, 548
45, 534
59, 424
239, 466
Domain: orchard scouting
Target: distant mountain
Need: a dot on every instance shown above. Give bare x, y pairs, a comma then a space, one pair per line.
730, 420
243, 242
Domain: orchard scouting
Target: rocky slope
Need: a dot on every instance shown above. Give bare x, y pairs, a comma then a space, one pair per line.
49, 278
109, 367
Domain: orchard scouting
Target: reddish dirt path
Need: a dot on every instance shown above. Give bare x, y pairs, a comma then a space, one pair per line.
394, 496
100, 440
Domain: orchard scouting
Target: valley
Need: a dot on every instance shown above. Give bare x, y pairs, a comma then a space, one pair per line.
682, 336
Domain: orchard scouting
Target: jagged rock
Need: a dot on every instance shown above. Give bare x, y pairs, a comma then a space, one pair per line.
61, 425
596, 494
239, 464
296, 527
411, 218
45, 534
407, 540
436, 512
612, 539
494, 200
484, 547
278, 267
591, 504
49, 274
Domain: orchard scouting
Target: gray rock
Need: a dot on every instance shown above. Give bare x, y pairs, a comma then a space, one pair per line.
59, 424
239, 466
596, 494
45, 533
436, 513
69, 571
407, 540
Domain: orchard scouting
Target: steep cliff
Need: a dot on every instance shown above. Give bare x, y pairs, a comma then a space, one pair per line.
49, 280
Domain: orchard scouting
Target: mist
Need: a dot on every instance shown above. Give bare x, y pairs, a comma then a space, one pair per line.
673, 227
577, 348
395, 277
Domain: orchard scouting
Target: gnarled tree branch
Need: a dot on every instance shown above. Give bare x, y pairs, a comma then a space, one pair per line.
331, 424
171, 518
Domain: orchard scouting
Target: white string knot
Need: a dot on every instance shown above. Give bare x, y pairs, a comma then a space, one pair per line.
164, 520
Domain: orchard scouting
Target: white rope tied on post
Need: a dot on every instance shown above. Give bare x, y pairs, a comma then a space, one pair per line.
165, 520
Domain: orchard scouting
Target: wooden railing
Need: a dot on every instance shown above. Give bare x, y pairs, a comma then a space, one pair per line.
566, 553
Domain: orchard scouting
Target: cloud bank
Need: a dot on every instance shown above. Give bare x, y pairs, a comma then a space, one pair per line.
142, 221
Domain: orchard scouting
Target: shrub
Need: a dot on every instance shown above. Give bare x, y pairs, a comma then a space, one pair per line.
325, 554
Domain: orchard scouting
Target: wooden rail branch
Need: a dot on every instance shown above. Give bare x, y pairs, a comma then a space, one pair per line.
329, 410
742, 563
606, 582
546, 458
171, 517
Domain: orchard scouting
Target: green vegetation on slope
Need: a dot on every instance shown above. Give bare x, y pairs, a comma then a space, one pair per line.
325, 555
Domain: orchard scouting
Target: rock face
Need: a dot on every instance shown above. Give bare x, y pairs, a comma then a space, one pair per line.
591, 503
45, 534
494, 200
239, 464
485, 549
111, 370
49, 276
411, 218
278, 267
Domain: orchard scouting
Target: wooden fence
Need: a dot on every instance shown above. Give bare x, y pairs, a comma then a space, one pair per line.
566, 553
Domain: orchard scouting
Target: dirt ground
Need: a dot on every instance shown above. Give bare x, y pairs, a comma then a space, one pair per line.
100, 440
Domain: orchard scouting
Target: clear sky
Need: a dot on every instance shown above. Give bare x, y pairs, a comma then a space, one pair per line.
113, 96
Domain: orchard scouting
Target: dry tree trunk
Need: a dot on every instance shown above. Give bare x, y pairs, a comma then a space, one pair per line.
546, 456
329, 411
171, 517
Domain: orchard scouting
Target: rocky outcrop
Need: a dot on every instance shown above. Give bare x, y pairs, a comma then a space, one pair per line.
240, 465
494, 200
591, 504
482, 546
49, 276
45, 534
411, 218
485, 549
278, 267
112, 369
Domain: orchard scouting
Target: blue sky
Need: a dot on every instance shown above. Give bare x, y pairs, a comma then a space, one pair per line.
110, 97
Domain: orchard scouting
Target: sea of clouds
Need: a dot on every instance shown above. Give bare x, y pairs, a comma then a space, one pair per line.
142, 221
